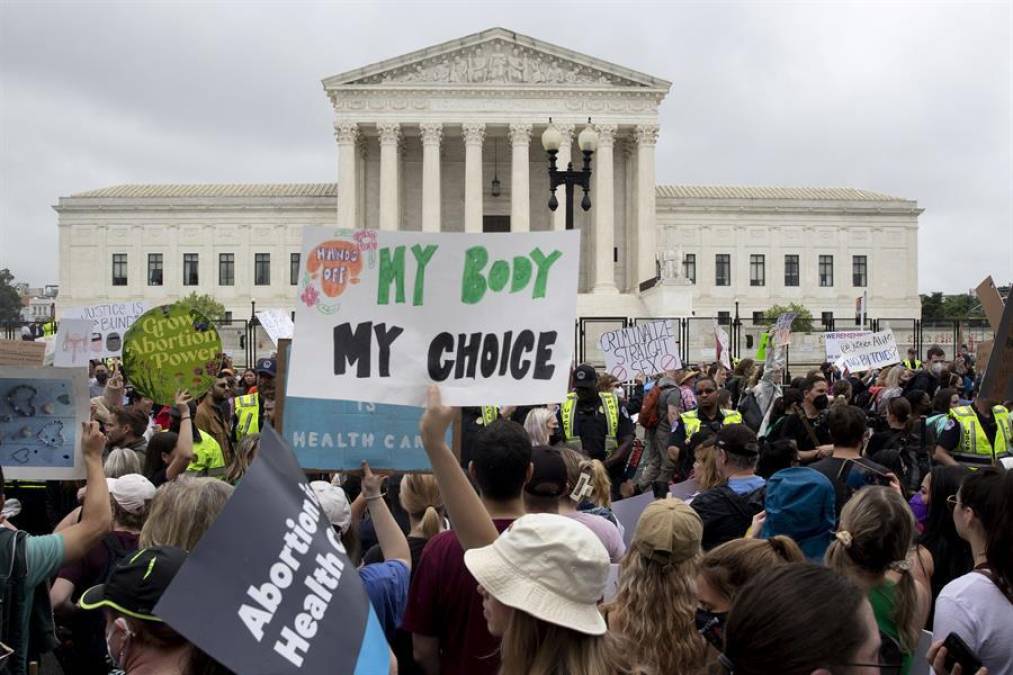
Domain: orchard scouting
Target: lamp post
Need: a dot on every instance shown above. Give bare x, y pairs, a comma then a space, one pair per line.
588, 143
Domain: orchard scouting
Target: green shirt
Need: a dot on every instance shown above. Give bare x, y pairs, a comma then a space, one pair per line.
883, 599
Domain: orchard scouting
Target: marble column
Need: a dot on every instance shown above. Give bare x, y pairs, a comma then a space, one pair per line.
520, 197
646, 253
603, 199
346, 134
563, 158
474, 136
390, 133
432, 135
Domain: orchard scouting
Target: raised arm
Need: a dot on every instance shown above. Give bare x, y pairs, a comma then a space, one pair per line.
183, 454
96, 514
472, 523
393, 543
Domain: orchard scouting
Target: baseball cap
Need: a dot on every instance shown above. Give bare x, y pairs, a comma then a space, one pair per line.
548, 479
137, 582
547, 565
334, 502
737, 439
585, 376
267, 366
668, 532
131, 491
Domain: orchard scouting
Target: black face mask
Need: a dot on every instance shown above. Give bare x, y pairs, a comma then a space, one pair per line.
711, 625
101, 377
821, 402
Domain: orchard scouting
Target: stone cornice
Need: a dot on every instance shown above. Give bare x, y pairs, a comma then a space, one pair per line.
669, 205
92, 205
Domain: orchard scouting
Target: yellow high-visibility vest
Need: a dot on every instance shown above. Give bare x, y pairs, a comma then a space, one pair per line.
974, 448
208, 459
609, 403
248, 415
691, 420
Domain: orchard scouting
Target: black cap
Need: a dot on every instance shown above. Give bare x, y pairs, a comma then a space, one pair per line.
266, 367
137, 582
548, 477
738, 439
585, 376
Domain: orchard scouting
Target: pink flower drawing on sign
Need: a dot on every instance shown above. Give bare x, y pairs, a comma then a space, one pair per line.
310, 295
366, 240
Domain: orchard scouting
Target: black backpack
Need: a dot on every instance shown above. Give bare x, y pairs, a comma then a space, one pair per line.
726, 514
912, 457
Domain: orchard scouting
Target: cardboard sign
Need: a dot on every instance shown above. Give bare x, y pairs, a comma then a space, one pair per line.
628, 512
277, 324
112, 319
646, 349
170, 348
997, 384
876, 350
832, 342
382, 315
782, 329
269, 589
71, 347
982, 353
21, 353
721, 342
41, 412
991, 301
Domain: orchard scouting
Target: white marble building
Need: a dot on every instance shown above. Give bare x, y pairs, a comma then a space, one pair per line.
448, 139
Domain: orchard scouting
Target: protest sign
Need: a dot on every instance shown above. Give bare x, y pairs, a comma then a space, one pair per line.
41, 413
761, 349
721, 342
876, 350
782, 329
991, 301
169, 348
382, 315
832, 342
71, 348
647, 349
627, 512
112, 319
277, 324
269, 588
21, 353
997, 384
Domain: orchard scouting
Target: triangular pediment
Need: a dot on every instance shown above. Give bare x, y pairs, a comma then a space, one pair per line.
496, 57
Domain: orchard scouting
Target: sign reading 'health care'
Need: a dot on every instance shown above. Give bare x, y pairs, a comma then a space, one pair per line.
382, 315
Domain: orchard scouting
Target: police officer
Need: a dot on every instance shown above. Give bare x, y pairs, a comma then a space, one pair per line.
250, 407
912, 362
975, 435
706, 416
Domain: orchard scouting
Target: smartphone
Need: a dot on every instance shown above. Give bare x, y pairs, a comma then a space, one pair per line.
957, 651
856, 475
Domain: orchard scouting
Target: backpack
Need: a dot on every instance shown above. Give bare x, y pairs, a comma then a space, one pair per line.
726, 514
913, 457
752, 416
650, 416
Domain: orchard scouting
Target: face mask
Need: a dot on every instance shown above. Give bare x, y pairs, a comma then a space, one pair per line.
937, 368
821, 402
101, 377
711, 625
918, 507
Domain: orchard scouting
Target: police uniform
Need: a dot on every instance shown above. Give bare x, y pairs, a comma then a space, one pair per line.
599, 427
208, 459
690, 423
974, 439
911, 364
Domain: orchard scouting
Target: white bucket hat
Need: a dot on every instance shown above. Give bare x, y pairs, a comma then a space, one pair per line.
334, 502
550, 566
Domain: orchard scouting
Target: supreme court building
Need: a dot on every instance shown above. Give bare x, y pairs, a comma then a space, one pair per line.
447, 139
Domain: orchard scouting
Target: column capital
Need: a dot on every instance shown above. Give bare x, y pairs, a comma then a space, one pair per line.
520, 133
474, 133
346, 132
647, 134
432, 133
566, 130
390, 132
606, 134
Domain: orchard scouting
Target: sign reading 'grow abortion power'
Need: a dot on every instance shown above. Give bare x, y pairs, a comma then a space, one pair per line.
382, 315
170, 348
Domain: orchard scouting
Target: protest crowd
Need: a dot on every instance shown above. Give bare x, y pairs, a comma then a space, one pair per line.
700, 520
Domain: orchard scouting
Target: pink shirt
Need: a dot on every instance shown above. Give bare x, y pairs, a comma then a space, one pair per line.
605, 530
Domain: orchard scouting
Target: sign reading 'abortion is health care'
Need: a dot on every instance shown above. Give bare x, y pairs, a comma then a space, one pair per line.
865, 352
646, 349
382, 315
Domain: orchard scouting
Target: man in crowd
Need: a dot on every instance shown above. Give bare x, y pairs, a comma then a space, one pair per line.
444, 611
127, 429
847, 427
212, 416
708, 416
97, 384
666, 406
912, 362
975, 435
927, 379
807, 425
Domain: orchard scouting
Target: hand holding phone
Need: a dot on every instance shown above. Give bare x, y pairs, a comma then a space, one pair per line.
857, 475
959, 654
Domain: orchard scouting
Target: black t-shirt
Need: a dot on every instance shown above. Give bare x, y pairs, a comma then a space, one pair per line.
415, 544
793, 428
831, 468
881, 440
949, 437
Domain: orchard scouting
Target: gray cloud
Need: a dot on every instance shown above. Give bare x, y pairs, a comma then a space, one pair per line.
909, 99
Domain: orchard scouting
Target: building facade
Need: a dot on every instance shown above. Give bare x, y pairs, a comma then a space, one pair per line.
448, 139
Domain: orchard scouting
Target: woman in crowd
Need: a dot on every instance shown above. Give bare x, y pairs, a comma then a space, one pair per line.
945, 400
706, 472
420, 498
775, 456
978, 606
942, 554
247, 383
892, 387
542, 426
661, 563
800, 503
120, 462
587, 487
183, 510
169, 453
899, 422
246, 452
871, 547
841, 390
739, 381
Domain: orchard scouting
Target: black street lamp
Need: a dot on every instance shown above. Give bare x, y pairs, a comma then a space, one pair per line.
587, 141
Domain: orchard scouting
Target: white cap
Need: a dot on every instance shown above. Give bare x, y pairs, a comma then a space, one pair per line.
334, 502
131, 491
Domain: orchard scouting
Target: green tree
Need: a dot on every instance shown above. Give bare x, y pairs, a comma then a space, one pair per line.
932, 306
206, 305
803, 322
10, 299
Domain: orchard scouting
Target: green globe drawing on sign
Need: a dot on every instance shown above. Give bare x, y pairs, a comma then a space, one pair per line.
170, 348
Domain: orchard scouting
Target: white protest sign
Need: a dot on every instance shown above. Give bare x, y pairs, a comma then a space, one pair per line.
647, 349
876, 350
382, 315
71, 347
832, 342
721, 342
112, 319
782, 329
277, 324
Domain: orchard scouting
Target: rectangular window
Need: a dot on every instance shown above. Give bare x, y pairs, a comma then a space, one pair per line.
758, 318
725, 318
791, 270
828, 319
119, 269
859, 271
826, 271
190, 276
226, 269
228, 317
689, 267
293, 269
723, 269
757, 270
154, 269
262, 269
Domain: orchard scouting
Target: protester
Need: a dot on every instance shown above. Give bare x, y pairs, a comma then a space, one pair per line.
928, 378
841, 392
847, 429
706, 472
975, 435
727, 510
182, 511
213, 416
120, 462
978, 606
208, 458
893, 386
871, 547
740, 379
942, 554
660, 408
899, 424
127, 430
97, 384
661, 564
708, 416
542, 426
945, 400
776, 456
246, 452
247, 383
806, 424
574, 488
799, 503
595, 499
169, 453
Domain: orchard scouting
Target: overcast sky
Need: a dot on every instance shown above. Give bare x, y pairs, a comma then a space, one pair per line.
911, 99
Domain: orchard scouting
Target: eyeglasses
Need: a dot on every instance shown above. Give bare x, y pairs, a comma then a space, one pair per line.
891, 658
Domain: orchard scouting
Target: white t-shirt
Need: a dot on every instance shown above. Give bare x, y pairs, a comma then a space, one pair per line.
973, 607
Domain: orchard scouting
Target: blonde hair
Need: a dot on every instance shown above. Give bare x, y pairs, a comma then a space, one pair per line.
120, 462
601, 484
892, 379
657, 599
729, 566
537, 425
183, 510
875, 537
246, 452
420, 497
708, 475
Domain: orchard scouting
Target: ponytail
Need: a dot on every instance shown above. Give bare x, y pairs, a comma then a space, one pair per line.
905, 610
420, 497
785, 548
432, 523
601, 484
